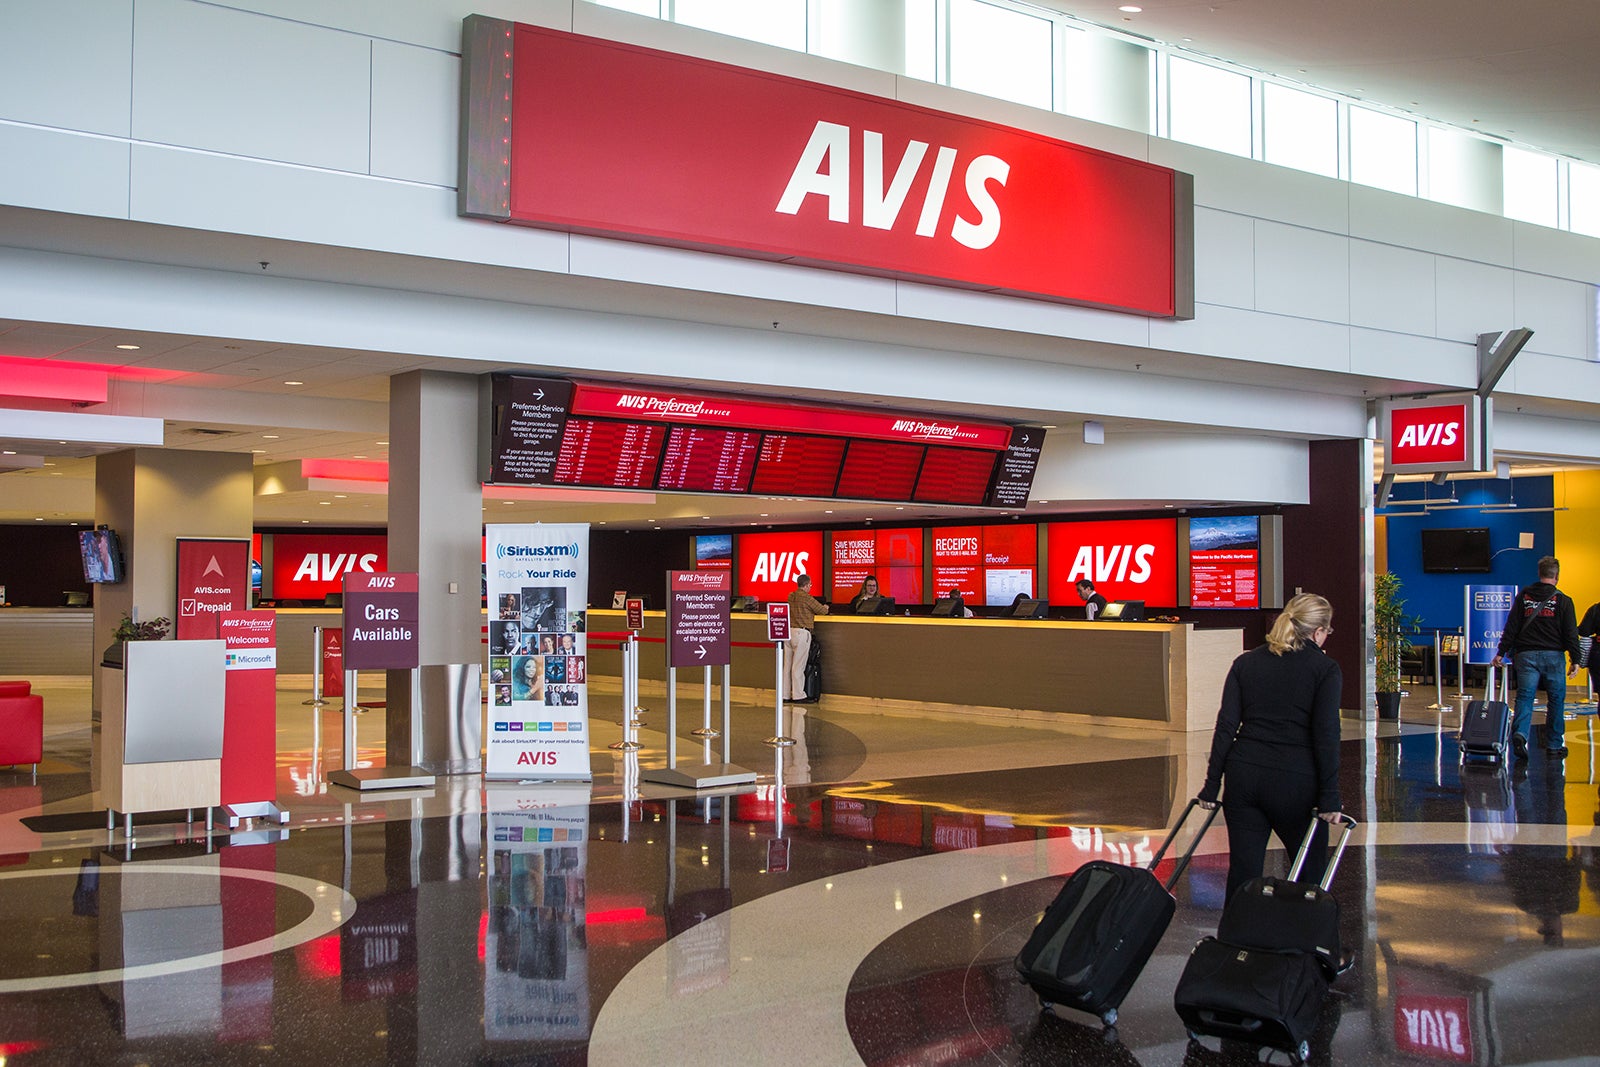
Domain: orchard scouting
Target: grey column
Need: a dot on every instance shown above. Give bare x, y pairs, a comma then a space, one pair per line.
435, 528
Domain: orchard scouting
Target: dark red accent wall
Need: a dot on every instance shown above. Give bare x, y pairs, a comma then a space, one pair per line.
1323, 552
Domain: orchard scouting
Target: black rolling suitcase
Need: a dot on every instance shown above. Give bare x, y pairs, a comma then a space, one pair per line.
813, 670
1485, 735
1263, 978
1099, 932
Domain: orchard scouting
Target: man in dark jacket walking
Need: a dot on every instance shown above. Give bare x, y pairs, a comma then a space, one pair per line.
1540, 633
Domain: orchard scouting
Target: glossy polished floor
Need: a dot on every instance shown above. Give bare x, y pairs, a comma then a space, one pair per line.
869, 917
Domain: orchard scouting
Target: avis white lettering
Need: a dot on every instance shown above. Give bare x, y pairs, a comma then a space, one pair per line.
1107, 563
780, 566
880, 204
1434, 1029
325, 568
1424, 434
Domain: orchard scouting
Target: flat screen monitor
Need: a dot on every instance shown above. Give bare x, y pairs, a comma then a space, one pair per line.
875, 605
1029, 609
1456, 551
950, 607
745, 603
1124, 611
102, 555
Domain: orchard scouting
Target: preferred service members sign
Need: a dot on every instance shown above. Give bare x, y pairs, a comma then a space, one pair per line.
538, 576
699, 619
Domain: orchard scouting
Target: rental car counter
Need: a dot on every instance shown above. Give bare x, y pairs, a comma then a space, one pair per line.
1164, 676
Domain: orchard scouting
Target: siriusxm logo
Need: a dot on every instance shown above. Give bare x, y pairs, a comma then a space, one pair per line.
536, 551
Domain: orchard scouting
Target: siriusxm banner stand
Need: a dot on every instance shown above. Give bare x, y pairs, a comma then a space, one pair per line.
1486, 609
538, 585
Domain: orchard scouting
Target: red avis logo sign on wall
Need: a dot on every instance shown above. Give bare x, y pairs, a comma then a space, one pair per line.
310, 566
1436, 434
1133, 559
769, 166
769, 563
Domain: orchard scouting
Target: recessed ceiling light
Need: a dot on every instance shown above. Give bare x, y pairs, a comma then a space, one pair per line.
258, 451
306, 521
828, 511
383, 442
507, 503
270, 436
765, 515
325, 503
341, 496
294, 383
358, 457
1186, 40
8, 452
38, 519
1131, 9
129, 348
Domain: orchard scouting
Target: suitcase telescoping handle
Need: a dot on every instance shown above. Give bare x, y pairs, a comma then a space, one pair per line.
1346, 824
1188, 853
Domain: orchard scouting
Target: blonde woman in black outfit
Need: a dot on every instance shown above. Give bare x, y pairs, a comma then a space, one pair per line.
1277, 742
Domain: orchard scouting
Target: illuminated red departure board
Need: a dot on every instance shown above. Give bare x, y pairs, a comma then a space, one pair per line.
619, 454
796, 465
550, 431
879, 470
954, 476
698, 459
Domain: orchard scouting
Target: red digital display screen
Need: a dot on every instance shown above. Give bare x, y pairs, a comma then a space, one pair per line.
797, 465
701, 460
879, 470
623, 455
550, 431
1010, 546
954, 476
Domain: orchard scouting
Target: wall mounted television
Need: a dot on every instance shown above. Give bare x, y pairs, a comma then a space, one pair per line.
1462, 550
102, 555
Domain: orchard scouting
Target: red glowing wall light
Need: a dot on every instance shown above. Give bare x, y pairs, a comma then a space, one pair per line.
49, 379
616, 915
345, 470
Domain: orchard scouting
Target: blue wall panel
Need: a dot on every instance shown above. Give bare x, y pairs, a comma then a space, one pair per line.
1437, 597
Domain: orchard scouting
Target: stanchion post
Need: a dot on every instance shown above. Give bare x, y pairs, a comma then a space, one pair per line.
316, 668
778, 740
628, 743
1438, 676
672, 718
706, 731
349, 761
727, 712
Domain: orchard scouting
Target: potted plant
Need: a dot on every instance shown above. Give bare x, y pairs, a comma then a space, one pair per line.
155, 629
1390, 629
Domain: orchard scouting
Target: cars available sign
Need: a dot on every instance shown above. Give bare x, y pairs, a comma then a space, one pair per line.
1129, 559
616, 140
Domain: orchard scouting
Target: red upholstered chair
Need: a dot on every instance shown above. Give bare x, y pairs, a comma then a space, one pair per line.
22, 731
15, 689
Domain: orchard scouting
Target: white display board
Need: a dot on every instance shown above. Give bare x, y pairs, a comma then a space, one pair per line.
538, 587
536, 956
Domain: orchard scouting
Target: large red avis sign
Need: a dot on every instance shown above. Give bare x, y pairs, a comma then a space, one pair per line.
770, 563
612, 139
307, 567
1135, 559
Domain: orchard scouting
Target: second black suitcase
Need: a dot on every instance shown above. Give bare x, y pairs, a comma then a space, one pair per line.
1486, 726
1099, 932
1269, 990
1250, 994
1288, 914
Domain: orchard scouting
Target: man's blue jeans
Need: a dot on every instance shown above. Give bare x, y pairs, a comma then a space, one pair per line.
1550, 670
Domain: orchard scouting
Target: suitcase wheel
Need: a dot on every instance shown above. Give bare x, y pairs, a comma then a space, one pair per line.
1304, 1052
1109, 1018
1045, 1005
